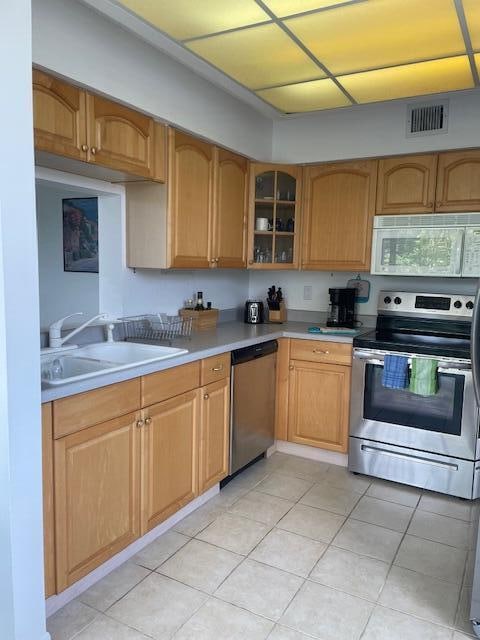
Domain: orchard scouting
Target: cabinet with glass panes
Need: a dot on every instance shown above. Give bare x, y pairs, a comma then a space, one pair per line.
273, 238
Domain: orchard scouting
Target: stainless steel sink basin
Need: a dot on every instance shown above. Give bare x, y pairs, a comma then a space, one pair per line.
101, 358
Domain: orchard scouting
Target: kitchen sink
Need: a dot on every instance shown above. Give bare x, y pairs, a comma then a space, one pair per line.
97, 359
127, 352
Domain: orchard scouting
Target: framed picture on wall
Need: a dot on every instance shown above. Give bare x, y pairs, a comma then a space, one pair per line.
80, 234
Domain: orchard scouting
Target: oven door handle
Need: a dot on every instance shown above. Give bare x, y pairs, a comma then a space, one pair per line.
443, 366
408, 456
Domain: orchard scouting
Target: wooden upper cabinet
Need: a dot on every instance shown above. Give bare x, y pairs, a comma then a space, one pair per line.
274, 218
458, 182
96, 496
59, 117
338, 215
70, 122
231, 186
169, 457
406, 184
190, 201
119, 137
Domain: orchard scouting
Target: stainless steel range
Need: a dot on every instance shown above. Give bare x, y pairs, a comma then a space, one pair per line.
425, 441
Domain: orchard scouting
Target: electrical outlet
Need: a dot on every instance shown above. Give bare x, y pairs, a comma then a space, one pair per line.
307, 292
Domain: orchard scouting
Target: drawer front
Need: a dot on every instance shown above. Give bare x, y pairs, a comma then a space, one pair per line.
92, 407
163, 385
215, 368
321, 351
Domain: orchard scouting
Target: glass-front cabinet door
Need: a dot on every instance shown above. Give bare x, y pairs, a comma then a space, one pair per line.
275, 192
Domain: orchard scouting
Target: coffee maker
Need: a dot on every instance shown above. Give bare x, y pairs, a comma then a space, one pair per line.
341, 311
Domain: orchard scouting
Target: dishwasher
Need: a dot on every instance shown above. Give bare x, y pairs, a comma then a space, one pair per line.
253, 403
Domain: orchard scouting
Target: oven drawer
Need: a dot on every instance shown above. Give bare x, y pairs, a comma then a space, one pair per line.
416, 468
321, 351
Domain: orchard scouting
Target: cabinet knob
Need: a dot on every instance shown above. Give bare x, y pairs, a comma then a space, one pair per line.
148, 421
84, 147
140, 423
291, 367
93, 151
213, 260
206, 396
250, 262
430, 205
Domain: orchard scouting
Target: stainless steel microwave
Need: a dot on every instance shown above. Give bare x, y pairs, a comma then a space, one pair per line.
445, 245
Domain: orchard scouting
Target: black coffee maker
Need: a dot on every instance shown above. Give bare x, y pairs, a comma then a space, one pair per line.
341, 312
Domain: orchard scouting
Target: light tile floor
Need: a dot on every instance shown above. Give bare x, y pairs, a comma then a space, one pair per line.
290, 550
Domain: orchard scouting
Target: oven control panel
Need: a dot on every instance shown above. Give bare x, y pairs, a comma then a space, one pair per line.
406, 302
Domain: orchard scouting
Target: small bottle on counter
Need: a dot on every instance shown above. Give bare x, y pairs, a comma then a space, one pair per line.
199, 306
209, 305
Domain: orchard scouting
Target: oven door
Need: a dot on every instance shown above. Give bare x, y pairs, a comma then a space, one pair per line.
446, 423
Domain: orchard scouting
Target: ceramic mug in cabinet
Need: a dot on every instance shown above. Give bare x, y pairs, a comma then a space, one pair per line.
262, 224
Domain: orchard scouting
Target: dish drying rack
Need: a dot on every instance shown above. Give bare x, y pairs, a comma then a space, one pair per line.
157, 327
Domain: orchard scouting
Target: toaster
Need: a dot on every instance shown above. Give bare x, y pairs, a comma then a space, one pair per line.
253, 312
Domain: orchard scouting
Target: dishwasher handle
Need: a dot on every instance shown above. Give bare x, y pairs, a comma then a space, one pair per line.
254, 351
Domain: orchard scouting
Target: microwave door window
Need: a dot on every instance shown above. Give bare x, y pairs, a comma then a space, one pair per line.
471, 253
408, 252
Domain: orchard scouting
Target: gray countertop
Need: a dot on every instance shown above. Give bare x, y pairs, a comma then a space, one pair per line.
226, 337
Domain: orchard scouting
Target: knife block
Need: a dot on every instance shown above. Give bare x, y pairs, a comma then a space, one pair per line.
278, 316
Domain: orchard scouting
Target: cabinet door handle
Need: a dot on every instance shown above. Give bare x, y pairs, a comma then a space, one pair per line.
84, 147
321, 351
291, 367
148, 421
206, 396
93, 151
140, 423
220, 368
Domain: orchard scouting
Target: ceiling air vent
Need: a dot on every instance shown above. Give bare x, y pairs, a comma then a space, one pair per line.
427, 119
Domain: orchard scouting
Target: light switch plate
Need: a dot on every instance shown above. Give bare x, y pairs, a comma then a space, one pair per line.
307, 292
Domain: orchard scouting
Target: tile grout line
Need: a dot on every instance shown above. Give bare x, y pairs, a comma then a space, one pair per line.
273, 527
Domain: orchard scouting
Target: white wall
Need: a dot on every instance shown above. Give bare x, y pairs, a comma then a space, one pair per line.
165, 291
73, 40
372, 130
293, 282
22, 607
61, 292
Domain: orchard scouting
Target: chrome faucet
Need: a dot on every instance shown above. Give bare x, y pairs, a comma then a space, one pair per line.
55, 339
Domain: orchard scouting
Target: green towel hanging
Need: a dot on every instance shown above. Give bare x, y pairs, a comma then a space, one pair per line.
424, 378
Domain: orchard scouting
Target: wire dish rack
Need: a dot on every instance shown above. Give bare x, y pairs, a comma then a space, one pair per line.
157, 327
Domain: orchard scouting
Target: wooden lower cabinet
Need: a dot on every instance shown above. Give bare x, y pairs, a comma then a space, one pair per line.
169, 457
214, 434
319, 399
48, 500
96, 495
117, 479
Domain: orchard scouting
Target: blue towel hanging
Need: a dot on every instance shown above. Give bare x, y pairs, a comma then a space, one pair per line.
395, 372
